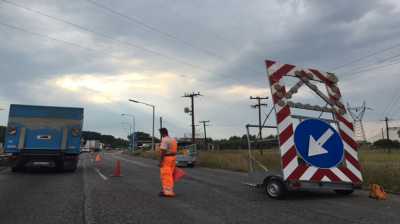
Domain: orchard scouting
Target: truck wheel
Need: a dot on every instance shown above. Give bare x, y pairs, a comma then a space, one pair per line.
18, 168
344, 192
275, 188
73, 167
60, 166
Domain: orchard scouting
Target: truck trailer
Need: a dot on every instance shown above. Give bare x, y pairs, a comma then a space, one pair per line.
93, 145
43, 136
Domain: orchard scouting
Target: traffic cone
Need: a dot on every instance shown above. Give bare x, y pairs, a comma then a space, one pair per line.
98, 158
117, 169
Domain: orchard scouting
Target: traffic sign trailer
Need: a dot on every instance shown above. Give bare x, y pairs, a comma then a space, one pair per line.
314, 154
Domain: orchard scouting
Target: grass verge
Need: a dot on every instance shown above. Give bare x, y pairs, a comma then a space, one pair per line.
378, 167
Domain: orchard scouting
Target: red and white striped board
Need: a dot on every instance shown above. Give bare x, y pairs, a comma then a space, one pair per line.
349, 170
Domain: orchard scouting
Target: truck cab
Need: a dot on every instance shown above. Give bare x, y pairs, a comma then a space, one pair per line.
44, 136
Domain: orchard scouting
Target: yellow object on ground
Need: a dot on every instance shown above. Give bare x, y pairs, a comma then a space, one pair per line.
377, 192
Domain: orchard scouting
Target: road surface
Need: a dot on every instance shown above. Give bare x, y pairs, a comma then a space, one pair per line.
91, 195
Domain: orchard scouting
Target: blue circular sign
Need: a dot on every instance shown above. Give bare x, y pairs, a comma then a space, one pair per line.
318, 143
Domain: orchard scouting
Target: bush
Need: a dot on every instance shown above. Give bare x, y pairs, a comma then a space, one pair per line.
387, 143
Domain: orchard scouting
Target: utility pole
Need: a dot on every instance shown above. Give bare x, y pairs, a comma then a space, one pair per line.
258, 105
191, 111
160, 125
387, 128
387, 132
205, 132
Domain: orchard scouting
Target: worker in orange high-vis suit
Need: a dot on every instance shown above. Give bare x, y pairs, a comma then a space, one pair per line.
168, 149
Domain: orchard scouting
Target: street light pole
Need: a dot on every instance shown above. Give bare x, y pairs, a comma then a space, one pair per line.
152, 135
133, 131
154, 113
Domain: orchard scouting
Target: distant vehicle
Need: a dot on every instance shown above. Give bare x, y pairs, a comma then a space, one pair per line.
93, 145
187, 155
85, 149
44, 136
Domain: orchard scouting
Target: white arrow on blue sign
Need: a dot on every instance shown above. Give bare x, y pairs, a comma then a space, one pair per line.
318, 143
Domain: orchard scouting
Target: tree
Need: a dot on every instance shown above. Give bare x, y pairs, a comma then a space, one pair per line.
91, 135
108, 140
143, 137
387, 144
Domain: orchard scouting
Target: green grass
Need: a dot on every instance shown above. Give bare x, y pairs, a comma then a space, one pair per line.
378, 167
381, 168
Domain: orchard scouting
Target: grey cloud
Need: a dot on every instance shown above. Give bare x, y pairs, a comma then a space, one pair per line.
241, 35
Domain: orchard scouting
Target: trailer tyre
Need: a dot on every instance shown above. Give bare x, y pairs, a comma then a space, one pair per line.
344, 192
275, 188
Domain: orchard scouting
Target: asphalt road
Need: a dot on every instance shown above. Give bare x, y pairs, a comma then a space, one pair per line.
91, 195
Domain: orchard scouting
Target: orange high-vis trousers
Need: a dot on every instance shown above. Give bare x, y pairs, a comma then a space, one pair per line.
166, 175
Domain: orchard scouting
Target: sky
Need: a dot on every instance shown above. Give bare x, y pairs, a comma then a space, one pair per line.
97, 54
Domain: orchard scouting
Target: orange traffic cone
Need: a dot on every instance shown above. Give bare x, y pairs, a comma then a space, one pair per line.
377, 192
117, 169
98, 158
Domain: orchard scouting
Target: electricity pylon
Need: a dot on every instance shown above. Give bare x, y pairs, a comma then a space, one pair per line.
357, 113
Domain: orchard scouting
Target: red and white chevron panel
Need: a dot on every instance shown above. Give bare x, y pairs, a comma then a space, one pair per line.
293, 169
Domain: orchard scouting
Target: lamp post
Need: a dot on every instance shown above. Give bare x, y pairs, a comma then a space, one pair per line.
133, 127
154, 108
128, 128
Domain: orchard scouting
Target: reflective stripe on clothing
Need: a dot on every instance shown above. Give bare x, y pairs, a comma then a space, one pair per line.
169, 145
166, 175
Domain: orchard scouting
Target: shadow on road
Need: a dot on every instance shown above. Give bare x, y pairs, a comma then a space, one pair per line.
259, 194
45, 171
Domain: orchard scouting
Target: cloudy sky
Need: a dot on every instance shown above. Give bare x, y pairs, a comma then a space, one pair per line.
98, 53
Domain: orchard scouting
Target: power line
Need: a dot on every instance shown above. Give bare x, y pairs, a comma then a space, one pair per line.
387, 108
64, 41
371, 68
394, 106
168, 35
365, 57
151, 28
48, 37
362, 67
109, 37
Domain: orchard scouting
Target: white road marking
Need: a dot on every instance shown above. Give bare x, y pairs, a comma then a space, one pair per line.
133, 162
100, 174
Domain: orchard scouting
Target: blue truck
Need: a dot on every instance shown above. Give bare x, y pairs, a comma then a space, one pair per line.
43, 136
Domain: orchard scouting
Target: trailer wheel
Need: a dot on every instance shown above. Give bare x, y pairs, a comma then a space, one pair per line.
275, 188
344, 192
